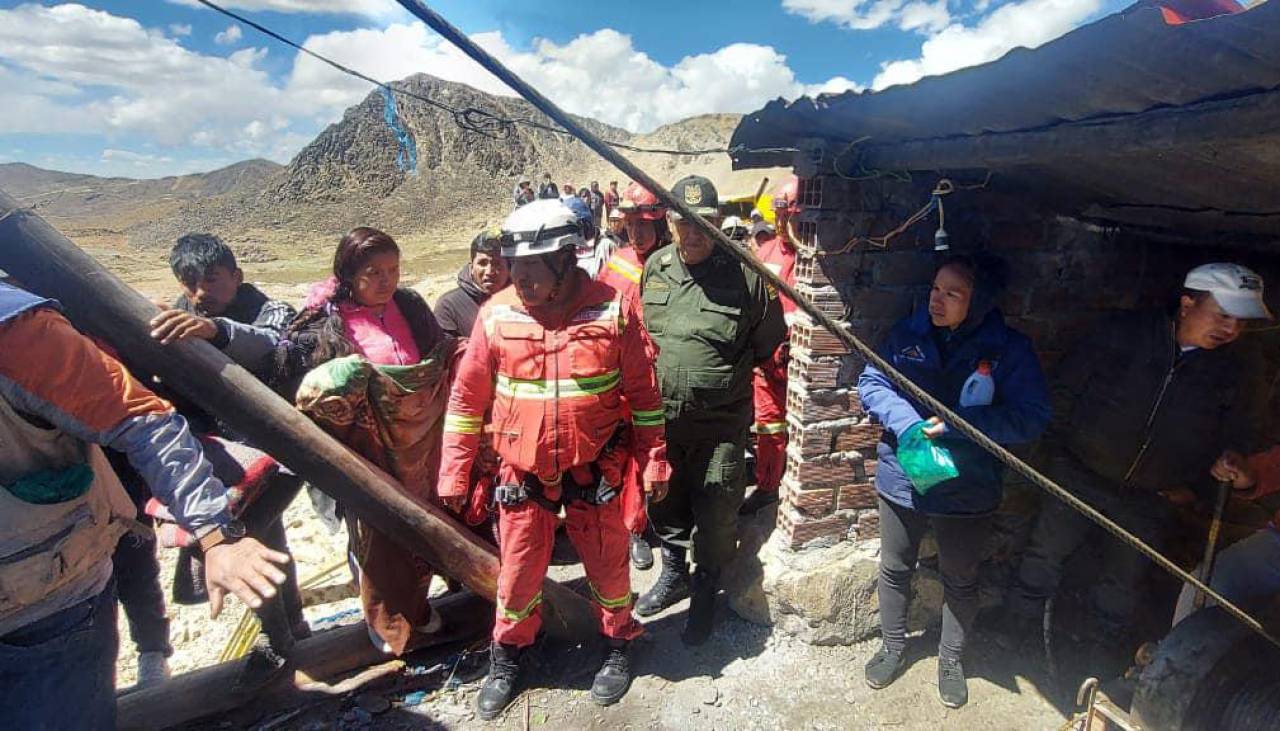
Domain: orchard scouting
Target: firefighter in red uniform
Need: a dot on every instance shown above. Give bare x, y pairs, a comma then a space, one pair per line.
552, 363
646, 220
770, 382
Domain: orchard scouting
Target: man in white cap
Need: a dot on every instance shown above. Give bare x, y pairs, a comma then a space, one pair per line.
1143, 406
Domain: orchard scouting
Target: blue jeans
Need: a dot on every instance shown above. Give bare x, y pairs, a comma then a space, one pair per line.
1246, 569
60, 672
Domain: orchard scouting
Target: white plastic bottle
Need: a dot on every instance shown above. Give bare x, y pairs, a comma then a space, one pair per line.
979, 388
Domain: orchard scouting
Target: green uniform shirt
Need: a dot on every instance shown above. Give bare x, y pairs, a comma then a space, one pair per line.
712, 323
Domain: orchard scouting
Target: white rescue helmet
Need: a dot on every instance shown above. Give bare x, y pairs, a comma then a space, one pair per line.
734, 228
541, 227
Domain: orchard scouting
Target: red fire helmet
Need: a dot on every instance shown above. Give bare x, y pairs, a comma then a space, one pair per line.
637, 200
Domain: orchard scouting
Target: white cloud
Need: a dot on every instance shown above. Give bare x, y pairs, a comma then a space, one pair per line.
923, 16
1027, 23
600, 75
180, 29
136, 159
400, 50
370, 8
835, 85
917, 15
68, 68
132, 164
228, 36
116, 78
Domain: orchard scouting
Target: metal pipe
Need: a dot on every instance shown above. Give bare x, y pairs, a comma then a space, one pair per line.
1206, 565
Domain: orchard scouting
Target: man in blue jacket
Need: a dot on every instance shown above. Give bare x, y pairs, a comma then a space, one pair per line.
960, 351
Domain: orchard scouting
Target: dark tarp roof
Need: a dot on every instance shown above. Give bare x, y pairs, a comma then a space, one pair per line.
1127, 119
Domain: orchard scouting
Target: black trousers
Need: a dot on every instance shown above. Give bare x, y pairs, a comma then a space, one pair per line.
700, 511
137, 572
1060, 531
960, 542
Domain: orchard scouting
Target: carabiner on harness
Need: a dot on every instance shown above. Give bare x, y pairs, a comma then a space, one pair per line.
510, 495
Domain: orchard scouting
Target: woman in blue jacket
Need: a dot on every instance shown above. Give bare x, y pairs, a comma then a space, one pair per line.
959, 338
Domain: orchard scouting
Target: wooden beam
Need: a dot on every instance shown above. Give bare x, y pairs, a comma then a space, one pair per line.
323, 657
51, 265
1215, 122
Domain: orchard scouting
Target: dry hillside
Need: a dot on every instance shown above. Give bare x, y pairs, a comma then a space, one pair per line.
285, 219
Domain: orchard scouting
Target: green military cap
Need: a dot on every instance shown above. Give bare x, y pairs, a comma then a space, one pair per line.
698, 193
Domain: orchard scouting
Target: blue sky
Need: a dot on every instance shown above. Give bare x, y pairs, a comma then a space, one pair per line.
144, 88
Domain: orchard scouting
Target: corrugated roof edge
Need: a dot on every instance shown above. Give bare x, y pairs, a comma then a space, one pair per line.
1127, 62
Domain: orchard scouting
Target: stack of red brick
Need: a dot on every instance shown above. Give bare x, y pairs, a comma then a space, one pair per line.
826, 490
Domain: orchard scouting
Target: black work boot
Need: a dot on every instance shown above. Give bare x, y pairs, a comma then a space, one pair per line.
641, 553
702, 607
500, 686
614, 678
759, 500
672, 585
952, 688
265, 662
883, 668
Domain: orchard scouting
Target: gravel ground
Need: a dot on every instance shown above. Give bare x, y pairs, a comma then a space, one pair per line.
197, 639
744, 678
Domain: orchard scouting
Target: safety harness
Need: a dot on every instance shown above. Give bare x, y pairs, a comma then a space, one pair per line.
598, 492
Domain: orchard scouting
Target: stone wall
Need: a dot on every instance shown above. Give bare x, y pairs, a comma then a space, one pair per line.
1064, 274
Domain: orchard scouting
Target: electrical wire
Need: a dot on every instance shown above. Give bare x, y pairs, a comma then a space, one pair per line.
944, 187
901, 176
474, 119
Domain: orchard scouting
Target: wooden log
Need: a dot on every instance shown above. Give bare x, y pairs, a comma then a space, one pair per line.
323, 657
50, 264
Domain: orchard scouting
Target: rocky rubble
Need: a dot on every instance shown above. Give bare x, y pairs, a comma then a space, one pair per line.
824, 594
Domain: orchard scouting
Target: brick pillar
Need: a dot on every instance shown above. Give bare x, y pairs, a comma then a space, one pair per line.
827, 490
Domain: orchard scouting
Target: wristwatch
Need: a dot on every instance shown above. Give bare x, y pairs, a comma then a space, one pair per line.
229, 533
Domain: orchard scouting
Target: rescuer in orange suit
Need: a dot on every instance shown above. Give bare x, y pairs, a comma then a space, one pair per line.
551, 359
645, 218
769, 385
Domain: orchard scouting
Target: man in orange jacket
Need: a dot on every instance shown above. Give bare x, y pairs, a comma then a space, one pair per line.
552, 363
769, 386
645, 218
62, 510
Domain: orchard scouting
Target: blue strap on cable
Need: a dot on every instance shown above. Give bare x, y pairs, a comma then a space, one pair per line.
407, 157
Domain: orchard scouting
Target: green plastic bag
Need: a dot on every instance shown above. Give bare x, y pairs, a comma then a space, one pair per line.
923, 460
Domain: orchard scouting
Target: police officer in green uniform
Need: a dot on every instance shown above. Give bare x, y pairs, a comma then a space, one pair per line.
713, 320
